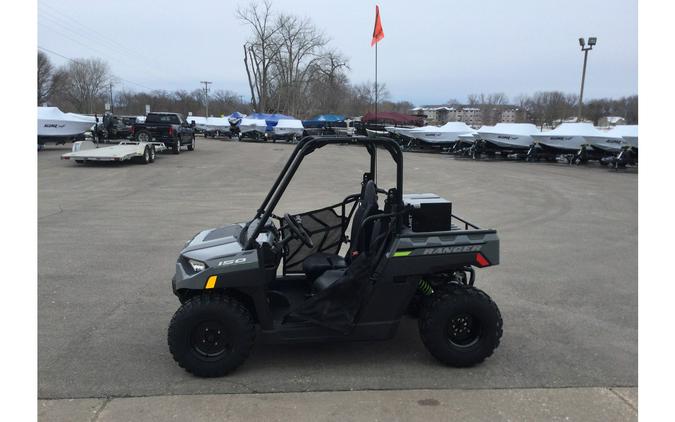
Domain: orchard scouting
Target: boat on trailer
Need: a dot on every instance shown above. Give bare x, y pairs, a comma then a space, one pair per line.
580, 142
252, 128
509, 136
288, 129
629, 133
447, 134
570, 137
59, 127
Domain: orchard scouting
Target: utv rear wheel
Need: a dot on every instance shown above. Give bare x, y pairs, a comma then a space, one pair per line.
461, 327
191, 147
152, 154
176, 147
211, 335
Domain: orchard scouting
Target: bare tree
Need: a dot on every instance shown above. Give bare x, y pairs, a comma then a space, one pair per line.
453, 102
49, 80
85, 82
329, 88
550, 107
300, 46
180, 101
491, 106
260, 51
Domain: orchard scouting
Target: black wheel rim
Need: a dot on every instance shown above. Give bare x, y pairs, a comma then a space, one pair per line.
210, 340
463, 330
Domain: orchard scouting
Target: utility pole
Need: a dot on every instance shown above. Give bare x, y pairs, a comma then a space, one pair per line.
112, 104
206, 94
591, 42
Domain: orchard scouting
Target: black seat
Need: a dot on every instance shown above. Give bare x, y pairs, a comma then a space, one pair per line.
316, 264
379, 233
326, 279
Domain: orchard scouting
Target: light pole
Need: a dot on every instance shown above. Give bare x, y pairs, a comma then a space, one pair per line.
591, 42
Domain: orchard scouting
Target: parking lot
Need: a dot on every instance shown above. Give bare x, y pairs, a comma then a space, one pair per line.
108, 237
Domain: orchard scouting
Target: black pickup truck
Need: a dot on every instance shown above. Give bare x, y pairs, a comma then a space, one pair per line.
170, 128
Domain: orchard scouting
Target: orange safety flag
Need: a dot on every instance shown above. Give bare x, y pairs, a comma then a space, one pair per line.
378, 33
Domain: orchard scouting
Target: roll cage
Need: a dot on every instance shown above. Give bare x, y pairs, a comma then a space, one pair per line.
305, 147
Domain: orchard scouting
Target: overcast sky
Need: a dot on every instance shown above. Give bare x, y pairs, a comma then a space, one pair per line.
433, 50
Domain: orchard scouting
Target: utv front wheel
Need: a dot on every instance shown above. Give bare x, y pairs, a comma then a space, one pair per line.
211, 335
461, 327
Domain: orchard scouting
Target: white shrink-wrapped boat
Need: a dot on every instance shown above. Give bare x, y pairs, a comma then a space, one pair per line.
53, 125
629, 133
569, 137
252, 127
509, 136
446, 134
288, 129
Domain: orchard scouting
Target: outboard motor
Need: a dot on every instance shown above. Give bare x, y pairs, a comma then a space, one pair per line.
234, 126
581, 157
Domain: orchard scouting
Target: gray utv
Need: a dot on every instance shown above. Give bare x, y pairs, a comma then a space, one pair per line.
406, 255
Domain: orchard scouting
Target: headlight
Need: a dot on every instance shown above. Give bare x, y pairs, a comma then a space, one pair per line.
197, 266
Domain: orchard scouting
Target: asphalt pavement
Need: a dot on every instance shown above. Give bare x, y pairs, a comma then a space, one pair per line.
108, 237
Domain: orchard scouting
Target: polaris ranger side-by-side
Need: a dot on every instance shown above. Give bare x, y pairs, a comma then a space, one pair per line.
406, 254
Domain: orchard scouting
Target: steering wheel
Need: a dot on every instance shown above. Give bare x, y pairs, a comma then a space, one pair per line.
295, 226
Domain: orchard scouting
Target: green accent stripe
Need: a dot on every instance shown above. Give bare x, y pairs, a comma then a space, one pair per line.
402, 253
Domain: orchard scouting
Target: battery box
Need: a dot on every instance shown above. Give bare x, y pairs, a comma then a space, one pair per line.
430, 212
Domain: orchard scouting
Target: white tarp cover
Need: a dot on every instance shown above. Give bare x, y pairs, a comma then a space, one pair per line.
199, 120
290, 124
624, 130
456, 127
426, 129
253, 124
469, 136
53, 113
578, 129
628, 132
209, 122
517, 129
217, 122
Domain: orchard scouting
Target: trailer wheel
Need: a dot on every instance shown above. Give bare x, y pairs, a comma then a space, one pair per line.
211, 335
176, 146
145, 158
460, 327
152, 154
191, 147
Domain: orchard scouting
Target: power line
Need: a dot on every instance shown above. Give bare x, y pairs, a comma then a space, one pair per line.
55, 13
47, 50
104, 53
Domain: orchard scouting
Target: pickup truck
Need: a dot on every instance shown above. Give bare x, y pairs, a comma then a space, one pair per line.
169, 128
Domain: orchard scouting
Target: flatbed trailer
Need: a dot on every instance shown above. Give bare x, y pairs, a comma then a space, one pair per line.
88, 151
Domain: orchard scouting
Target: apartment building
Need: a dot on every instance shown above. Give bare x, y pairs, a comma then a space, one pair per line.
472, 116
